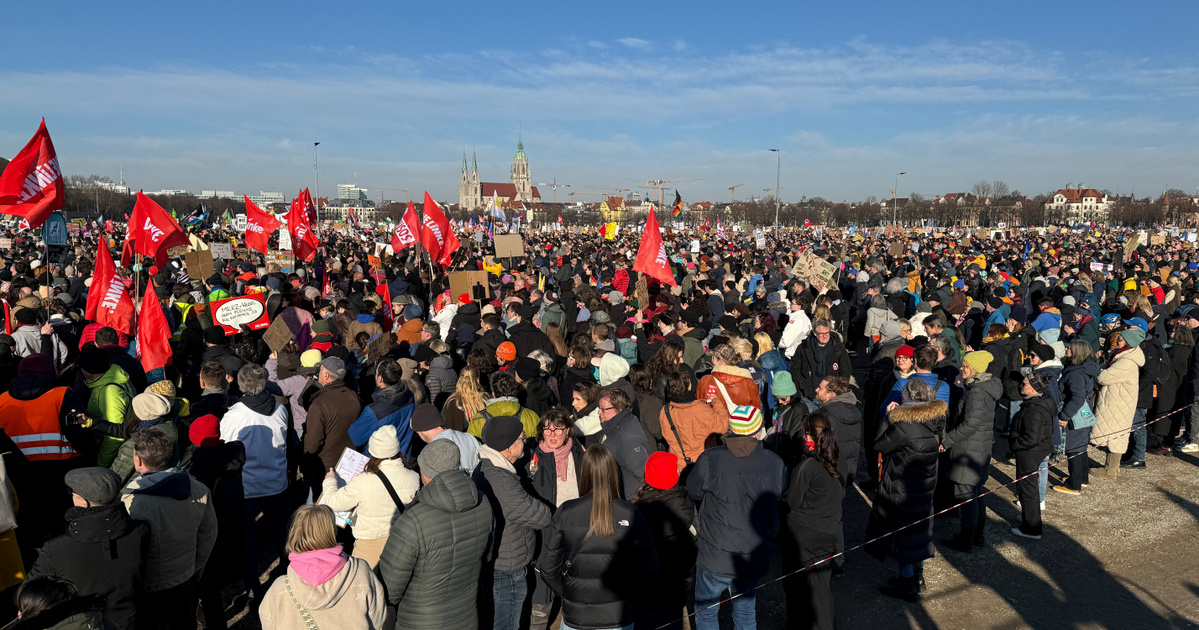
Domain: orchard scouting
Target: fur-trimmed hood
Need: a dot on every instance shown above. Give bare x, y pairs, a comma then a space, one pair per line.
919, 412
732, 370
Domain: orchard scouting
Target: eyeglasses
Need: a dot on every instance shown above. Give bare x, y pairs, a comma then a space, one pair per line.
553, 429
823, 334
607, 408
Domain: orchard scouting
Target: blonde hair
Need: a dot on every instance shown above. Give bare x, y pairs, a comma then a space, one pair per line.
743, 348
905, 325
470, 392
725, 354
312, 528
822, 311
764, 343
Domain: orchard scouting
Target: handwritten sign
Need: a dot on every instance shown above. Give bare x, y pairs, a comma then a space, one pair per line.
283, 259
232, 313
222, 250
374, 262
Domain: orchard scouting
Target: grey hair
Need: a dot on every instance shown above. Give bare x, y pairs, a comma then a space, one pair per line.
917, 390
943, 345
547, 363
251, 378
878, 301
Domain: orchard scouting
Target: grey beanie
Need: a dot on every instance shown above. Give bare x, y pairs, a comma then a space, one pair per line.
437, 457
890, 329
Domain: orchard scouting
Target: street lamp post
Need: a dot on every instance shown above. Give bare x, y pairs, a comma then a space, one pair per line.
894, 214
777, 173
316, 165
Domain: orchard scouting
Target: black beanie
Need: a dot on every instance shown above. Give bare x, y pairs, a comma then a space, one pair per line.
214, 334
502, 432
93, 361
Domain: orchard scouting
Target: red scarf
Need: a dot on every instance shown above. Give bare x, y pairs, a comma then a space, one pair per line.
561, 457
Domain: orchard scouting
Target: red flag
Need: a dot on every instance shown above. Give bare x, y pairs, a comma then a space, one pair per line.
108, 226
151, 232
303, 242
406, 230
651, 256
153, 333
325, 283
436, 234
384, 291
807, 222
259, 226
108, 301
31, 185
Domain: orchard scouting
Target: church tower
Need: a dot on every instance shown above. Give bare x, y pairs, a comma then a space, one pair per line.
469, 190
464, 199
520, 174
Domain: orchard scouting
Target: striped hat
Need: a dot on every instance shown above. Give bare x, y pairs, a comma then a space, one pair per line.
745, 420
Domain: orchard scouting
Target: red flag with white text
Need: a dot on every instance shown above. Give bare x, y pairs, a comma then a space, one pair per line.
108, 300
406, 231
153, 333
259, 227
384, 292
436, 233
651, 256
152, 231
31, 186
304, 242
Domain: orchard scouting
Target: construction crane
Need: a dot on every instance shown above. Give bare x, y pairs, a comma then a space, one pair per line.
381, 189
554, 185
580, 192
620, 190
656, 185
733, 191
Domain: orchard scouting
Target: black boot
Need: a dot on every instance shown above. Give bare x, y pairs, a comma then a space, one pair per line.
919, 577
963, 541
901, 588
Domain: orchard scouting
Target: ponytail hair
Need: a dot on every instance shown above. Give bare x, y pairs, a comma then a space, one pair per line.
817, 426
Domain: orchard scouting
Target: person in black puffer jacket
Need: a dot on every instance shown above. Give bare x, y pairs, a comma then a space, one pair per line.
908, 442
103, 550
598, 551
968, 446
670, 513
1030, 443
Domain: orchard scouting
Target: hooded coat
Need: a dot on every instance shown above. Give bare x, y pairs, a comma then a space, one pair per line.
442, 380
434, 554
804, 365
391, 405
182, 522
738, 487
518, 514
846, 421
968, 440
111, 395
101, 554
907, 438
353, 598
624, 437
1117, 402
738, 383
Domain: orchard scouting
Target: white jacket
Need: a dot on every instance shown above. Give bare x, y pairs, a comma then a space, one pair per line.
265, 437
797, 329
374, 510
444, 318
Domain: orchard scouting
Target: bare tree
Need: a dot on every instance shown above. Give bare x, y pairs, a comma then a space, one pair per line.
981, 188
1000, 189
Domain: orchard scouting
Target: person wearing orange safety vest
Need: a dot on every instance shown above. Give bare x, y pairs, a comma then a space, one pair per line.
35, 413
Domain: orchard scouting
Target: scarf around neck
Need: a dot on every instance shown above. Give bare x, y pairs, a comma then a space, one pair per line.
561, 457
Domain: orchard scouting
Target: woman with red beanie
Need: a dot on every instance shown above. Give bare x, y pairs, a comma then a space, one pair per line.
670, 513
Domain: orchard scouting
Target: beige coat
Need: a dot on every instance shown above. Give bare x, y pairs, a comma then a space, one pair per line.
374, 510
1119, 386
353, 599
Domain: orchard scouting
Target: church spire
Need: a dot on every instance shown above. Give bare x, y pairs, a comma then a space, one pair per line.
474, 160
464, 161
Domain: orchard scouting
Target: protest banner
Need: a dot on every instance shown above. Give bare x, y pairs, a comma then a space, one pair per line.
222, 250
278, 335
284, 259
509, 246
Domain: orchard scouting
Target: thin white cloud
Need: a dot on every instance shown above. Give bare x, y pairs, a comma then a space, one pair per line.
635, 43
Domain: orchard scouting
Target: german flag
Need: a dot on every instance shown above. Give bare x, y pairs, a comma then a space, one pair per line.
677, 208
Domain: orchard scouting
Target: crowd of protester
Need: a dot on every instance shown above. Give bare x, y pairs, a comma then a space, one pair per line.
572, 440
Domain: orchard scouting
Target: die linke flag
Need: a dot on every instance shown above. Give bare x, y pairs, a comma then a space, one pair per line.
151, 232
259, 227
436, 234
407, 231
651, 256
108, 301
304, 242
153, 333
31, 186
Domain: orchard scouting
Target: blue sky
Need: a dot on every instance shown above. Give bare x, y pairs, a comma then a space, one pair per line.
232, 95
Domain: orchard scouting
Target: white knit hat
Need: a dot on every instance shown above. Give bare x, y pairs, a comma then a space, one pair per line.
383, 443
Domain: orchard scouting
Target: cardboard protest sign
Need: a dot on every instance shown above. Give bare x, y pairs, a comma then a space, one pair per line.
642, 292
284, 259
509, 246
465, 282
199, 264
896, 249
278, 335
1157, 240
231, 313
374, 262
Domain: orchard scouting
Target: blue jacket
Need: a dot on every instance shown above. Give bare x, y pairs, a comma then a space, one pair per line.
737, 487
896, 393
388, 408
